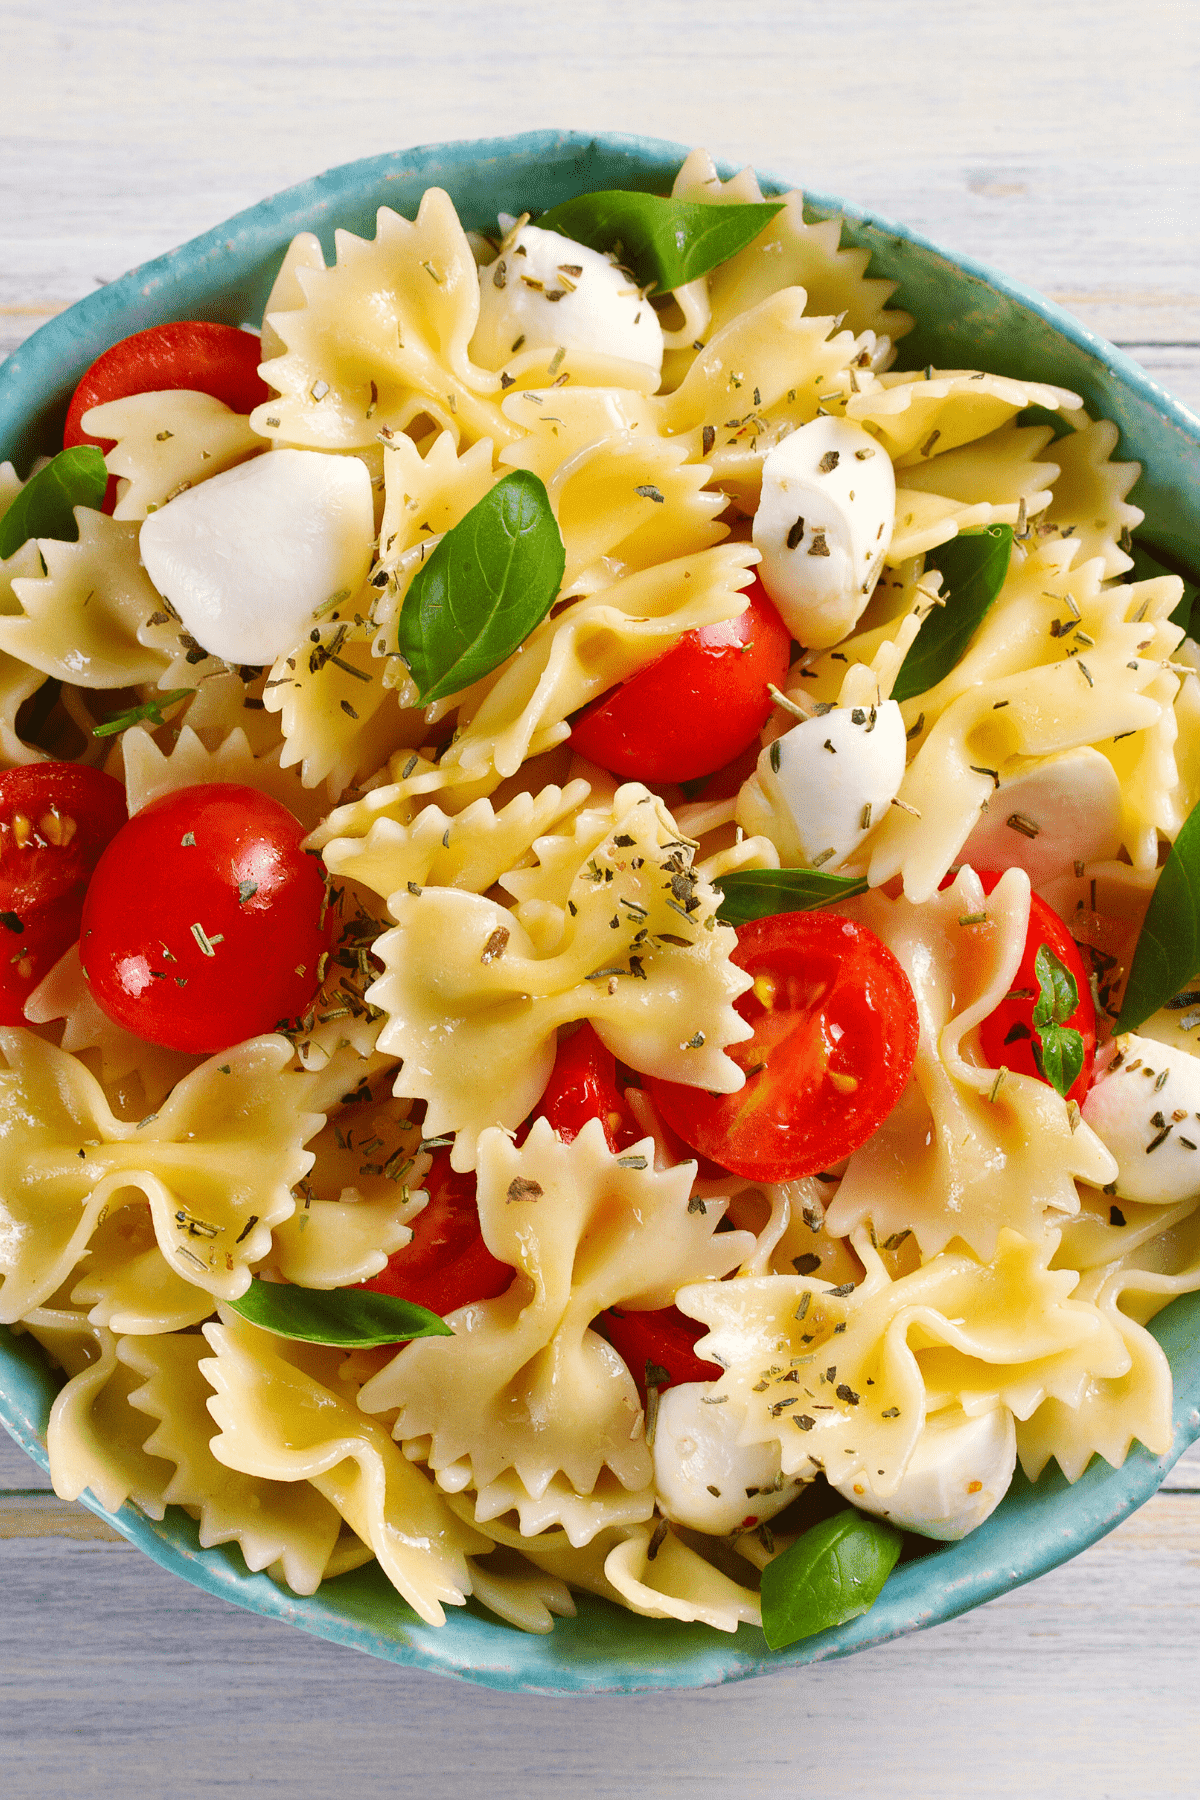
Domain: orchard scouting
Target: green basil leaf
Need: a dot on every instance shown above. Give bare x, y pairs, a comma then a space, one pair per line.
833, 1573
1059, 1047
973, 569
666, 243
354, 1317
492, 578
1149, 562
44, 506
757, 893
1168, 947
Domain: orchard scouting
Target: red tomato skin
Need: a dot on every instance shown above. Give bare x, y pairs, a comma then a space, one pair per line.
664, 1337
189, 353
153, 896
583, 1086
830, 1062
1045, 927
447, 1264
696, 707
43, 882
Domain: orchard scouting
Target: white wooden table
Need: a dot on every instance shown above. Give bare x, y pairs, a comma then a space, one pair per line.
1062, 144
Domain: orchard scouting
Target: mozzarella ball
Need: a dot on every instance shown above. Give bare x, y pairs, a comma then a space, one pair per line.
958, 1473
705, 1478
1150, 1125
544, 291
826, 783
247, 558
1064, 810
823, 525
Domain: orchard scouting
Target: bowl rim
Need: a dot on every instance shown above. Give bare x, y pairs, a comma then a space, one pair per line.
35, 381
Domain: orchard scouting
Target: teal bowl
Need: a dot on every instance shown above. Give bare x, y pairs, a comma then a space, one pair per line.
967, 316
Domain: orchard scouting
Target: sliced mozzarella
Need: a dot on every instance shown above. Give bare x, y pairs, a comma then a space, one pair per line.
824, 524
958, 1473
248, 557
1150, 1124
544, 290
821, 787
1064, 810
704, 1477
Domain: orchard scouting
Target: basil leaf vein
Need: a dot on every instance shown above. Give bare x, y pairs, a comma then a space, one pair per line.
353, 1317
1168, 946
1059, 1047
758, 893
833, 1573
45, 506
492, 579
666, 243
973, 568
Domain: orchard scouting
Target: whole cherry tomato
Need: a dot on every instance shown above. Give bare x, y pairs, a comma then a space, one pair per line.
189, 353
665, 1339
55, 820
447, 1264
583, 1086
835, 1038
1007, 1036
204, 922
697, 707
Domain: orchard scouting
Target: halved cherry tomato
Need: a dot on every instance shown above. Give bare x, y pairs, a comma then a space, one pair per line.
696, 707
664, 1338
447, 1264
190, 353
55, 820
1007, 1035
835, 1037
583, 1086
203, 924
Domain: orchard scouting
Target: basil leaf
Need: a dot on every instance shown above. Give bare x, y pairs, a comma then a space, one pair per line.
1149, 563
492, 578
1059, 1047
665, 242
355, 1317
833, 1573
1168, 947
757, 893
44, 506
973, 569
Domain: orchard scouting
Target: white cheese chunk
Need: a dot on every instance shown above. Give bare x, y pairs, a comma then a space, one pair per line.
821, 787
544, 291
1064, 810
959, 1472
1148, 1123
705, 1478
823, 525
248, 557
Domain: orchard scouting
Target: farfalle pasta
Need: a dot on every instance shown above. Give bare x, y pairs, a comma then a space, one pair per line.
715, 1114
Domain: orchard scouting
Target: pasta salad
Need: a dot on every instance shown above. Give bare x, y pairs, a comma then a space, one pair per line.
581, 863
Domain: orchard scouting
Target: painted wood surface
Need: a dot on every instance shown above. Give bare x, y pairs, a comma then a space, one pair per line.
1060, 144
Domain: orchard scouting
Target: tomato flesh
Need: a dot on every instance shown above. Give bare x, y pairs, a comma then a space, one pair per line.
697, 707
1006, 1036
203, 922
835, 1038
55, 820
664, 1338
189, 353
583, 1086
447, 1264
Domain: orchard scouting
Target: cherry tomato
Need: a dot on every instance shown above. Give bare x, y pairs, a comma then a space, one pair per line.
1007, 1036
203, 922
583, 1086
665, 1338
447, 1264
55, 820
190, 353
835, 1037
696, 707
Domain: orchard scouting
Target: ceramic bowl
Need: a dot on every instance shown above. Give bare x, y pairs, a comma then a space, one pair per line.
967, 316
